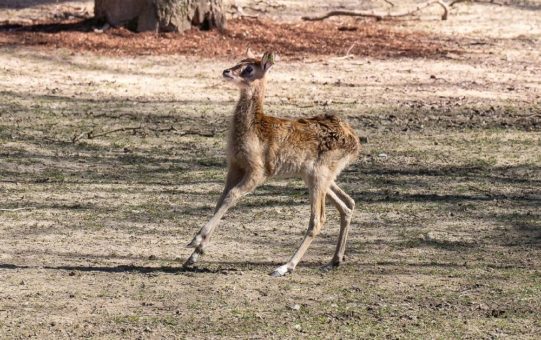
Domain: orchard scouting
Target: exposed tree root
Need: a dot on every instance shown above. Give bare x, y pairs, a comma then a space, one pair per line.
380, 16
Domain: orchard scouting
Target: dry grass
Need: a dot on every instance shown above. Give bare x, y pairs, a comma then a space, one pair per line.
445, 241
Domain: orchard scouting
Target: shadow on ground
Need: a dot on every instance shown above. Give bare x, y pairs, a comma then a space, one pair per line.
125, 182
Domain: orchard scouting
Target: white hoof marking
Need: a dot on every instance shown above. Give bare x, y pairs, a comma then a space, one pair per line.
280, 271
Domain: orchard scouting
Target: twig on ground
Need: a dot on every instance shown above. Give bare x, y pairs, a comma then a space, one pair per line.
454, 2
271, 4
350, 48
302, 106
380, 16
389, 3
199, 133
91, 135
347, 55
18, 209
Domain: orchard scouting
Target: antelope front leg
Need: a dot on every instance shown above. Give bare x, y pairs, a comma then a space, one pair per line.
234, 176
248, 183
317, 217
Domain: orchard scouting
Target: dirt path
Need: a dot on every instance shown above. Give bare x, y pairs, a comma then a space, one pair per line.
445, 240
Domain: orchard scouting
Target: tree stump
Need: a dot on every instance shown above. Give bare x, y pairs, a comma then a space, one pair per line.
161, 15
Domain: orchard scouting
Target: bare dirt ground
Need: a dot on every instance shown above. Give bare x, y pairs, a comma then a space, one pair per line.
445, 241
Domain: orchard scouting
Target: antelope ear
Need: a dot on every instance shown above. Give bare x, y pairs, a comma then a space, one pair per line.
250, 53
267, 60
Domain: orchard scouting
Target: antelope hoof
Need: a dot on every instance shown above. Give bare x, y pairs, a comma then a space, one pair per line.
190, 262
281, 271
331, 266
196, 242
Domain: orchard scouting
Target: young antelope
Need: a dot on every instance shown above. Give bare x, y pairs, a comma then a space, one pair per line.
260, 146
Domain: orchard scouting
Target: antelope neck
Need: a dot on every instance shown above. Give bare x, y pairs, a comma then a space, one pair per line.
250, 105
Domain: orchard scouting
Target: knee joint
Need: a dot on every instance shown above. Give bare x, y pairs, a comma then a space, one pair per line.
314, 229
232, 196
348, 213
313, 233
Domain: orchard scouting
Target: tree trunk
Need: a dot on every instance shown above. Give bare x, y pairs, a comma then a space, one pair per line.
161, 15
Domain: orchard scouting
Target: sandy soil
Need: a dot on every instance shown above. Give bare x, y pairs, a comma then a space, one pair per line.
445, 240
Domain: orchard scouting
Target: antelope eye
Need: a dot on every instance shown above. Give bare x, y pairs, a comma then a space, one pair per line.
248, 69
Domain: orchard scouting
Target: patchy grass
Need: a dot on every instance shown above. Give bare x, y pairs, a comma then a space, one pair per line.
445, 241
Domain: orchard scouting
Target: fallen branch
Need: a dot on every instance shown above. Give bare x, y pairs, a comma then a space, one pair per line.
454, 2
18, 209
381, 16
91, 135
